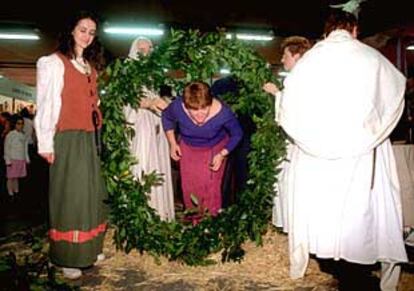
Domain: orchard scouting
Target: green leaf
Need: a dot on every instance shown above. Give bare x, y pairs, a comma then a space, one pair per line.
194, 199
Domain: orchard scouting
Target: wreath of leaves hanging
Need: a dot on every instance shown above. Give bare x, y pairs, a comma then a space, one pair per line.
195, 56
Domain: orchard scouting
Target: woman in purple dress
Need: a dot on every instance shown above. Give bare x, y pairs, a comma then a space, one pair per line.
208, 132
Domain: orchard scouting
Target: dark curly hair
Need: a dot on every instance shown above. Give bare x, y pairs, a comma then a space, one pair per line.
93, 53
339, 19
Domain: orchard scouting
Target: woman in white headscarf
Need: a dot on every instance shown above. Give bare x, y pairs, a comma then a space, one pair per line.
149, 144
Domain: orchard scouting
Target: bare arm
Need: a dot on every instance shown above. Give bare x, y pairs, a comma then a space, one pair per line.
175, 151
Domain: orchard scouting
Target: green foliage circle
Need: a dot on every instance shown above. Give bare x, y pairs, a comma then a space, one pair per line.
195, 56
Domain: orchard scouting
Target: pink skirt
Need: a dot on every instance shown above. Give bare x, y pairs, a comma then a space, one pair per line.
198, 180
17, 169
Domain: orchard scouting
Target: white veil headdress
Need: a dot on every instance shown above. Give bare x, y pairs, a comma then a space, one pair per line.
133, 51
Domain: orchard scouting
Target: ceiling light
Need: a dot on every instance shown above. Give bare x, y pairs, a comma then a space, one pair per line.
254, 37
250, 36
410, 47
134, 31
224, 71
19, 36
258, 37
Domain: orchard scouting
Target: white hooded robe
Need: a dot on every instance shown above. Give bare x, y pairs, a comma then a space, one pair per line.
150, 147
339, 105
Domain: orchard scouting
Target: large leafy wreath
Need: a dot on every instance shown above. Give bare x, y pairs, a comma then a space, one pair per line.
194, 56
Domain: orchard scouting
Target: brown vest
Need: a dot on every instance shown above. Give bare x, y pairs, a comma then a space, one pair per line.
79, 99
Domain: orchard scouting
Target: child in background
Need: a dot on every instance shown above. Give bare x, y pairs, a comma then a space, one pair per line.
15, 155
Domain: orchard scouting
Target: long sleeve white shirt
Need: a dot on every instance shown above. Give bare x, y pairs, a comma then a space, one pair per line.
15, 147
50, 70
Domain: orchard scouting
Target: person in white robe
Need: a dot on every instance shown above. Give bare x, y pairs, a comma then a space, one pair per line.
149, 144
293, 49
340, 103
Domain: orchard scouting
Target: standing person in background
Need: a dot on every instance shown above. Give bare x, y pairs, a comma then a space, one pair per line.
4, 129
66, 122
5, 118
340, 103
293, 49
209, 131
16, 155
28, 129
149, 144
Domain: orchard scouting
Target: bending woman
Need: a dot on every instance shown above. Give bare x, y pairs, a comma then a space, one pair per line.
208, 131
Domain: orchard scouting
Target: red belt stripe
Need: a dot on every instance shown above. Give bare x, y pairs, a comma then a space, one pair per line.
76, 236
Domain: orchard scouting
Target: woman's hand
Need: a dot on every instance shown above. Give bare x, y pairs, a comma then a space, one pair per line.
159, 104
218, 160
175, 152
49, 157
271, 88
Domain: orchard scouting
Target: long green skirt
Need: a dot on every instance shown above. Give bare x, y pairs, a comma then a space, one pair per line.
76, 201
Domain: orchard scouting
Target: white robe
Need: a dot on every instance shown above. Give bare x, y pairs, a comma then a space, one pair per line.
280, 201
282, 187
340, 102
150, 147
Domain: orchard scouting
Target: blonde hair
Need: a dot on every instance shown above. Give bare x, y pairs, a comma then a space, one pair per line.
296, 45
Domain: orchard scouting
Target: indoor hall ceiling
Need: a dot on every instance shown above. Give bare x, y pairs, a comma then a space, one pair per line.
283, 18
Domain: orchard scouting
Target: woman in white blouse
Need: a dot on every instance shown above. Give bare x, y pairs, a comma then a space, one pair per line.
66, 123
